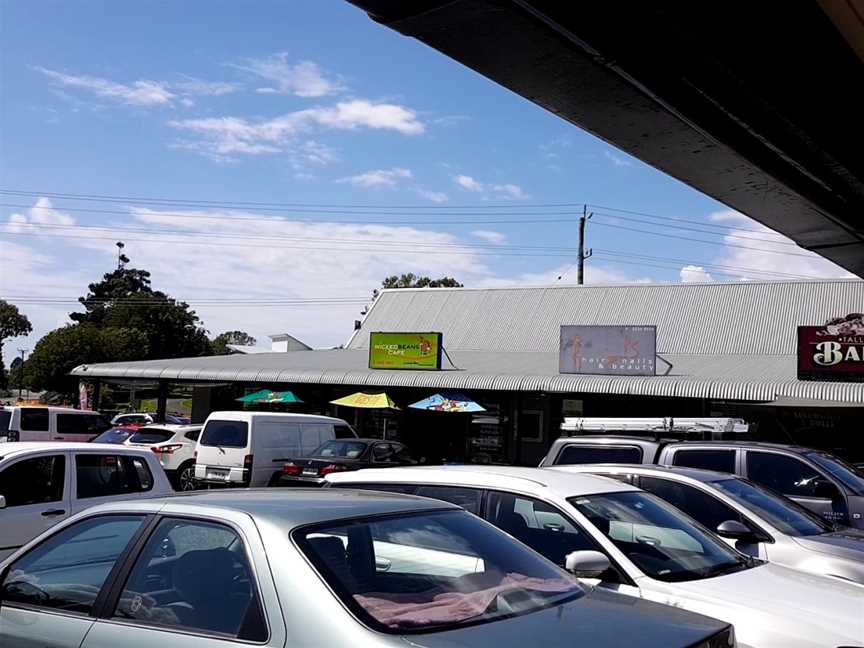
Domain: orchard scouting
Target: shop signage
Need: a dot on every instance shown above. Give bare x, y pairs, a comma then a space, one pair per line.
834, 351
608, 350
405, 351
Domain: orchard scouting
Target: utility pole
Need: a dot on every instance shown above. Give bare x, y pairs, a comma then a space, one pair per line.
582, 253
21, 372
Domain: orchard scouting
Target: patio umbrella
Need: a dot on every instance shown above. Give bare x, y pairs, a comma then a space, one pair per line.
449, 402
366, 401
267, 396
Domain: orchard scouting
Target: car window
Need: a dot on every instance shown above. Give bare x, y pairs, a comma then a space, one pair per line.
194, 575
719, 460
843, 472
39, 480
702, 507
103, 475
537, 524
114, 435
431, 572
67, 571
34, 419
80, 424
193, 435
382, 452
151, 435
467, 498
782, 473
583, 454
340, 449
230, 434
5, 419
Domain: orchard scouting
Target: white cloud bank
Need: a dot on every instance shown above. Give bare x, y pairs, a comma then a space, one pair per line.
301, 79
378, 178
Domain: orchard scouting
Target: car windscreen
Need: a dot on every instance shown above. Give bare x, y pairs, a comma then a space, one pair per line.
658, 538
151, 435
432, 571
839, 470
114, 435
227, 434
340, 449
789, 517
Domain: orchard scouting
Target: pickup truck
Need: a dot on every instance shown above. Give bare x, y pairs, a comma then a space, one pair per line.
818, 480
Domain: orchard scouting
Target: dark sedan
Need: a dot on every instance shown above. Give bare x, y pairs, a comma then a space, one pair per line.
340, 455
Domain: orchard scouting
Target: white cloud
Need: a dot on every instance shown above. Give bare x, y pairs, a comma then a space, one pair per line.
763, 251
617, 160
490, 236
225, 136
434, 196
302, 79
378, 178
695, 274
467, 182
564, 275
511, 191
142, 93
138, 93
41, 218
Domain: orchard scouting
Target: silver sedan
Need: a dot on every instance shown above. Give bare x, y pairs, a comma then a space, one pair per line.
311, 568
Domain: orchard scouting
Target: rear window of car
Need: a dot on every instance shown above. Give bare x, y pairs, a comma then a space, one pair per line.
147, 435
34, 419
114, 435
229, 434
5, 417
586, 454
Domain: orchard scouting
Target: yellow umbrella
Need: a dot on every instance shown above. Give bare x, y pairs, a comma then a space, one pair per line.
367, 401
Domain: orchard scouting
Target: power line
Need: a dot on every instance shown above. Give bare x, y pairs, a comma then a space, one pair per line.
669, 218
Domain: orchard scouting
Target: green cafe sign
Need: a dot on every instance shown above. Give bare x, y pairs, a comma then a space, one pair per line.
405, 351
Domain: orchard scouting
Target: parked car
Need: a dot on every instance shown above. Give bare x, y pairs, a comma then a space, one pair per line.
117, 434
817, 480
250, 448
146, 418
317, 568
42, 484
339, 455
649, 549
174, 446
753, 519
29, 423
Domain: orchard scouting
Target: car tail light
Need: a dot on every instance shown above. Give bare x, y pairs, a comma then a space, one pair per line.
332, 468
291, 469
167, 449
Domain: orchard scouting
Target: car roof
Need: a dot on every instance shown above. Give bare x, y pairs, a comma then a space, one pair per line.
172, 427
745, 444
18, 447
536, 480
698, 474
236, 415
612, 438
290, 507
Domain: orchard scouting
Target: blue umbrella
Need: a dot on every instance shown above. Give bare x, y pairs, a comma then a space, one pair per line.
449, 402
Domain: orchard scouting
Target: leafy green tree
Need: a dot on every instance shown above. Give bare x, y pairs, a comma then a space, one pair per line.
219, 344
411, 280
12, 324
63, 349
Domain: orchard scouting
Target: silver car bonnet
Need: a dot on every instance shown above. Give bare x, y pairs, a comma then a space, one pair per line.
848, 543
600, 618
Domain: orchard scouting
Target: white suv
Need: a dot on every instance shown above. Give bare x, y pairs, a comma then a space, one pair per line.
174, 446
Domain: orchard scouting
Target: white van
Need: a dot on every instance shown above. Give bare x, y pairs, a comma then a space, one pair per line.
250, 448
53, 424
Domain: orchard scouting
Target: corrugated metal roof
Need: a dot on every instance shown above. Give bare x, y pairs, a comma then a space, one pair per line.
731, 319
717, 377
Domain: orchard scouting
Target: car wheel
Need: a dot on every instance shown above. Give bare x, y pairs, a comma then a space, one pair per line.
186, 478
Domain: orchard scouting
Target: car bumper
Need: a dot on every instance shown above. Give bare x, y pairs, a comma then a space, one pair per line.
301, 481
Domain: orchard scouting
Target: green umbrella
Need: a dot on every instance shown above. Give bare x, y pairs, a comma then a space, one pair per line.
267, 396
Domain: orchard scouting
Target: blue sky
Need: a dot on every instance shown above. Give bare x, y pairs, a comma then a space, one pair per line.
309, 102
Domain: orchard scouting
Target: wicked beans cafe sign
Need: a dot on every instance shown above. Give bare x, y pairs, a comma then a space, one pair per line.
834, 351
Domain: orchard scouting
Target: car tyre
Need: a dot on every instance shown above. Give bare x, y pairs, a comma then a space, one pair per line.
185, 479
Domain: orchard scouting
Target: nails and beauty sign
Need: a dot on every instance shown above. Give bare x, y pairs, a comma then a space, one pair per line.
834, 351
405, 351
608, 350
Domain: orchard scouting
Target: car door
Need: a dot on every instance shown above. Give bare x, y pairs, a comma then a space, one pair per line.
706, 509
192, 585
793, 477
49, 596
36, 490
100, 477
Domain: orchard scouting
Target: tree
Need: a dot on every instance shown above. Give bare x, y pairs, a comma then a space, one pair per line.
63, 349
16, 373
411, 280
12, 324
219, 344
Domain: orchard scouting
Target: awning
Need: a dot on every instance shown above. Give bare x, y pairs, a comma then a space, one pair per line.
267, 396
366, 401
452, 402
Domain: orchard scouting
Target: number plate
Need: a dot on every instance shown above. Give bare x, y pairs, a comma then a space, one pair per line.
310, 471
217, 474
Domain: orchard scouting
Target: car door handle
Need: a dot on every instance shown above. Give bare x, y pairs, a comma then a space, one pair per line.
382, 564
53, 513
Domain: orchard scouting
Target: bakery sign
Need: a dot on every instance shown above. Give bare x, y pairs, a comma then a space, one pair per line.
834, 351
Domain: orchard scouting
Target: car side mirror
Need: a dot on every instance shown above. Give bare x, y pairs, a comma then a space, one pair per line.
735, 530
586, 563
2, 502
